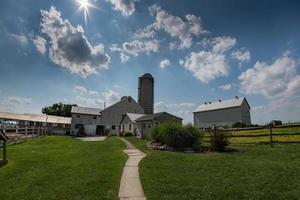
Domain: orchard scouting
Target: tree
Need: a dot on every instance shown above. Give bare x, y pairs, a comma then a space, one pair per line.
58, 109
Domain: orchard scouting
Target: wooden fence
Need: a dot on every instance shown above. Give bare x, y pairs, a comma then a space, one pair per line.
19, 134
268, 133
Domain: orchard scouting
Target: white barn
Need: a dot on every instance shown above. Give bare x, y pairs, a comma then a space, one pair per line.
91, 121
222, 113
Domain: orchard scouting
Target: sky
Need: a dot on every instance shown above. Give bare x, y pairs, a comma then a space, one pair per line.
88, 52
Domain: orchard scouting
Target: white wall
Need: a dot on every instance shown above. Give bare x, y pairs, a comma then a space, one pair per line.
222, 117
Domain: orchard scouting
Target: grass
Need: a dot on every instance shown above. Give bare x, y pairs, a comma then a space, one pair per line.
275, 131
253, 172
58, 167
266, 131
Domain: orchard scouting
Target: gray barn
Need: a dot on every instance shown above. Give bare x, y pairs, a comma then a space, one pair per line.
91, 121
222, 113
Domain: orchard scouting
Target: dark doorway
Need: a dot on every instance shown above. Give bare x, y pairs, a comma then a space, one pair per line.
100, 130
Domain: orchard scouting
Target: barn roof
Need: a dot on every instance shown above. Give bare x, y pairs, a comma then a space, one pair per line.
134, 116
155, 116
35, 118
230, 103
85, 110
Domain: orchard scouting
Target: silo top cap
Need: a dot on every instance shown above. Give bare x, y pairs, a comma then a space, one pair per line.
147, 75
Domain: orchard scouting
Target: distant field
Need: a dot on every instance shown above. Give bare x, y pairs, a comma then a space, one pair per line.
264, 139
253, 172
58, 167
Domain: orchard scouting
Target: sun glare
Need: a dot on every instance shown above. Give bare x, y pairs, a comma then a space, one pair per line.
84, 5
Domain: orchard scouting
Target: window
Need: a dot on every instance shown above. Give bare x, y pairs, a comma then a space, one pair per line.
95, 117
129, 127
78, 116
149, 125
113, 127
144, 125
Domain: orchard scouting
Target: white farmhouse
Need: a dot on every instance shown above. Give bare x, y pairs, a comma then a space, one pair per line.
222, 113
141, 124
91, 121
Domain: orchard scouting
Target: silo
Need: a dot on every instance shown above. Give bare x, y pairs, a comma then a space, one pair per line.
146, 93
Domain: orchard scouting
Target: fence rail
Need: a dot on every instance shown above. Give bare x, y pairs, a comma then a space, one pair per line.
266, 136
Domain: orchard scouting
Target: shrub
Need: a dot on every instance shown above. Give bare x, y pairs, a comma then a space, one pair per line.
155, 134
128, 134
176, 136
238, 125
218, 140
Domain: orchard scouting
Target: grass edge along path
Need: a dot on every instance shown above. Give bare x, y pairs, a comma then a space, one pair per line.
61, 167
253, 172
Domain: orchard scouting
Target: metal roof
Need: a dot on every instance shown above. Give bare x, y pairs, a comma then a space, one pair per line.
236, 102
36, 118
134, 116
155, 116
86, 111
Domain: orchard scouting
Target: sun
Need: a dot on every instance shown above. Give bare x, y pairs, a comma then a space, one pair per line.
84, 5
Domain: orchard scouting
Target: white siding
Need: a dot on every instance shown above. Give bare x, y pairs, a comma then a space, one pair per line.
223, 117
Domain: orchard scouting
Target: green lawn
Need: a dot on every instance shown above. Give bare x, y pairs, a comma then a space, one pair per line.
253, 172
295, 138
58, 167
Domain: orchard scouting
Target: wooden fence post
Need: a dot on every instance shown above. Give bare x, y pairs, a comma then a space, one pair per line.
4, 150
271, 134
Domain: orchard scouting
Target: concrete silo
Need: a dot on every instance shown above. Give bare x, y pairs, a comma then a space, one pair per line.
146, 93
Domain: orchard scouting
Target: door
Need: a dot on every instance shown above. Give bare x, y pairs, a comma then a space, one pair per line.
100, 130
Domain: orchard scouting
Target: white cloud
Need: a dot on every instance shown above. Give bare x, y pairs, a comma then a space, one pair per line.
14, 103
147, 32
183, 29
125, 6
22, 39
69, 46
40, 44
164, 63
269, 80
279, 83
135, 48
206, 65
225, 87
81, 89
241, 55
92, 98
93, 93
111, 96
90, 102
223, 44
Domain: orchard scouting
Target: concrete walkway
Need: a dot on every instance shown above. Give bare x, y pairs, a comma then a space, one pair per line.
92, 139
130, 186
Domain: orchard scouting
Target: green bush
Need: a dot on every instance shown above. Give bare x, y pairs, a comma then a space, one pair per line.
238, 125
218, 140
176, 136
128, 134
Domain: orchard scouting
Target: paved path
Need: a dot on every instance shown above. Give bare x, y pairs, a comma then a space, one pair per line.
92, 139
130, 186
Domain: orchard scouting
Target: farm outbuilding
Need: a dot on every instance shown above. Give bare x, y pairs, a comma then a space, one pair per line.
145, 123
222, 113
91, 121
53, 124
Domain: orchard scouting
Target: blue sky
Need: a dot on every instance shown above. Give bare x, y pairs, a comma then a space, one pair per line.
196, 50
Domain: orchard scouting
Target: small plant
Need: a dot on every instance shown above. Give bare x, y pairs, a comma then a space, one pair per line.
218, 140
128, 134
